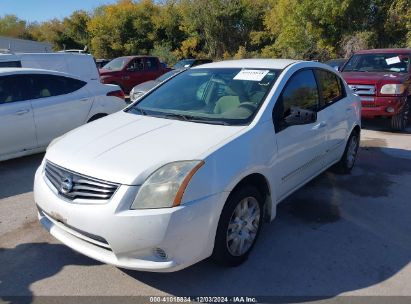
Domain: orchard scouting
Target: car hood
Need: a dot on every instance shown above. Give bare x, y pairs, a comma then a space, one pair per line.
373, 77
125, 148
146, 86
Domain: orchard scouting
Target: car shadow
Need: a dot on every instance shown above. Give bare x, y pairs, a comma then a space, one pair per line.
35, 262
383, 125
336, 234
17, 175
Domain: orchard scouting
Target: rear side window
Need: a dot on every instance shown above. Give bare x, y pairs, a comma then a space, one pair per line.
52, 85
13, 88
151, 64
300, 93
331, 87
10, 64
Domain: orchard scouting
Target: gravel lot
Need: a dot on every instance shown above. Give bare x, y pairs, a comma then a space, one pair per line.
339, 235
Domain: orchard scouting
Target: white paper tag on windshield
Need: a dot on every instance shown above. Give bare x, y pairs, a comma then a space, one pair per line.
393, 60
252, 75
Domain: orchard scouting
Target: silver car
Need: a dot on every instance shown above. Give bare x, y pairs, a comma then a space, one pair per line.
142, 88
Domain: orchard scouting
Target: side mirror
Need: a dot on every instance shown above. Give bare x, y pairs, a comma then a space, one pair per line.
300, 116
131, 69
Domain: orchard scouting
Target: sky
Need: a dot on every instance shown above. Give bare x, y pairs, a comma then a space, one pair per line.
42, 10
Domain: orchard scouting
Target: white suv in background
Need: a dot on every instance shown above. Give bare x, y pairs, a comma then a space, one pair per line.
79, 65
195, 167
37, 106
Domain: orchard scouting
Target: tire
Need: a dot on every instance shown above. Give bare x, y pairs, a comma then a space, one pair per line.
97, 116
347, 161
399, 121
232, 232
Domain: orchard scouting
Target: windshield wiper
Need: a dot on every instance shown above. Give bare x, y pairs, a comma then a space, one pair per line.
178, 116
195, 119
142, 112
211, 122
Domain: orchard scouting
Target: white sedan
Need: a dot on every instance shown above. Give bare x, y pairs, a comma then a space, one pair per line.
37, 106
196, 166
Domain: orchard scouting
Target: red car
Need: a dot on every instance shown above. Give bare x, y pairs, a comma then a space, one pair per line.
382, 78
129, 71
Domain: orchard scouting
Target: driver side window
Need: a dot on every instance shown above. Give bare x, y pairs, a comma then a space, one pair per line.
298, 102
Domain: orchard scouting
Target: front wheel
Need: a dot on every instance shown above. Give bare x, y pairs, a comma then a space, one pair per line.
399, 121
239, 226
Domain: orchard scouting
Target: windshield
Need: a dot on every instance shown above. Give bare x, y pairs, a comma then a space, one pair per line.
391, 62
230, 96
185, 63
167, 75
116, 64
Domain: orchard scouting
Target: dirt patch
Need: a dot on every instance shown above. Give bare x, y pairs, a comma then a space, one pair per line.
19, 232
313, 210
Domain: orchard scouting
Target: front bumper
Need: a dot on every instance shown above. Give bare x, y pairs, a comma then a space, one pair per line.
114, 234
376, 106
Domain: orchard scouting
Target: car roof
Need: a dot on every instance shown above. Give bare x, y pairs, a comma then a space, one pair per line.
14, 71
384, 51
279, 64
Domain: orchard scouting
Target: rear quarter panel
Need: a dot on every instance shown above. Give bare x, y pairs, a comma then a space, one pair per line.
103, 104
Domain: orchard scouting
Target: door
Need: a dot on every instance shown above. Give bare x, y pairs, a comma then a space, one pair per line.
134, 74
17, 130
301, 143
59, 104
152, 68
337, 106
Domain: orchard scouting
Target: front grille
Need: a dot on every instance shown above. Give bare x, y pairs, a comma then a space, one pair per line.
362, 89
72, 185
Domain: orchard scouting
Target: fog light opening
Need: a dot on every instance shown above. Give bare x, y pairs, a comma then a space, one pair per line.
390, 110
160, 254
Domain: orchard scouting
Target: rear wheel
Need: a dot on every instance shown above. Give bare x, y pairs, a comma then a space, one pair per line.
347, 161
238, 227
399, 121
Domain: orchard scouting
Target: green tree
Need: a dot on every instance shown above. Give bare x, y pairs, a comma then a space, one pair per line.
221, 26
124, 28
12, 26
51, 31
75, 29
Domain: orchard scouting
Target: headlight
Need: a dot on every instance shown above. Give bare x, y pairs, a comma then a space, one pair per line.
392, 89
165, 187
134, 96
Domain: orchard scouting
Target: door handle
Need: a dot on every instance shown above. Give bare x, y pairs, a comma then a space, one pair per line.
84, 99
320, 125
22, 112
348, 109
